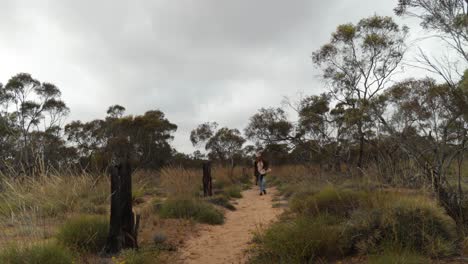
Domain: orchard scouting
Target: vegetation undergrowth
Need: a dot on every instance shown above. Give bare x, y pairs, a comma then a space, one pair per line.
197, 210
50, 253
84, 233
329, 220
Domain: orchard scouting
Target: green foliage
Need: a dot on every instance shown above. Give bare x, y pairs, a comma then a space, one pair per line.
421, 225
234, 191
301, 240
337, 221
330, 201
140, 256
221, 200
203, 133
410, 223
200, 211
36, 254
225, 143
269, 124
84, 233
345, 32
398, 257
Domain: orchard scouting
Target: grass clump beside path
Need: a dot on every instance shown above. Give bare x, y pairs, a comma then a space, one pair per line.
339, 222
301, 240
84, 233
398, 257
49, 253
142, 256
222, 201
195, 209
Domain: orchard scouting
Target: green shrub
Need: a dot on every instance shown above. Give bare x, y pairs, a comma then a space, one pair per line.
36, 254
297, 200
363, 231
234, 191
200, 211
412, 223
139, 257
398, 258
330, 200
301, 240
417, 223
218, 184
84, 233
138, 194
52, 209
221, 200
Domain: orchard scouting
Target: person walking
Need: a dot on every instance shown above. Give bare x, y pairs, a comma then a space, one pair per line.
261, 167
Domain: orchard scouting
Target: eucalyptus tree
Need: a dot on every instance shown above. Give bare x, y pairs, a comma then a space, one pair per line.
358, 63
446, 20
32, 107
222, 144
270, 126
146, 138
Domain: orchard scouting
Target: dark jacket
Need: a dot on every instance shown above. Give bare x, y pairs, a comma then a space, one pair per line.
265, 166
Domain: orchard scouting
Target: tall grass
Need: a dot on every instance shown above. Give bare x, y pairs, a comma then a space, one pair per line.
32, 207
35, 254
180, 182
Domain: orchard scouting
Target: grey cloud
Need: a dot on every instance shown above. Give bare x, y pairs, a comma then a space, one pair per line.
206, 60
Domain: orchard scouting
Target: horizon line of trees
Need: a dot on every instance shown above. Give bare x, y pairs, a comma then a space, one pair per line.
34, 139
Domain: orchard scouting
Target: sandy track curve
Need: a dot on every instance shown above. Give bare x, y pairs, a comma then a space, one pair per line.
227, 243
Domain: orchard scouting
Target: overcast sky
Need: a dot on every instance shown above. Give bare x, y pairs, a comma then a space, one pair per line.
197, 61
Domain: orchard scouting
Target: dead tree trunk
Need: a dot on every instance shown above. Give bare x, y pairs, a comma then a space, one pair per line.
207, 180
123, 223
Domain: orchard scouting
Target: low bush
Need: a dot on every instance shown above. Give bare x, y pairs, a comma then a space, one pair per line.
234, 191
418, 223
84, 233
301, 241
139, 257
412, 223
330, 200
341, 221
398, 257
221, 200
200, 211
36, 254
297, 200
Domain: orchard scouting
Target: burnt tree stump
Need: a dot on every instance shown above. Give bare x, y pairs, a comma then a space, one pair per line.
123, 227
207, 180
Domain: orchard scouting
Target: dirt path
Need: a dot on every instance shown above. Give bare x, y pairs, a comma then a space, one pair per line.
227, 243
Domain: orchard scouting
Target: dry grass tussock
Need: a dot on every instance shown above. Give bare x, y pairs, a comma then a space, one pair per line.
180, 182
32, 208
